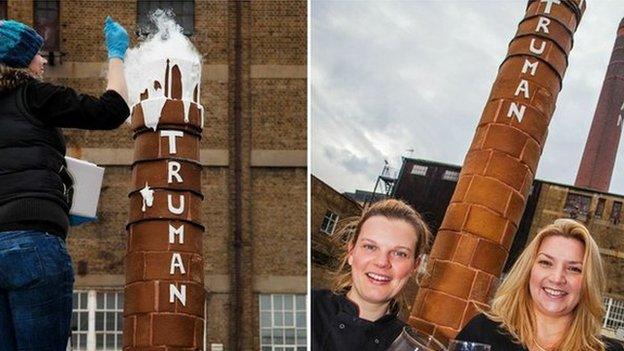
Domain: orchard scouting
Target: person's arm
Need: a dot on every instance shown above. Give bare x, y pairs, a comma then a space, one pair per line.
117, 42
116, 78
64, 107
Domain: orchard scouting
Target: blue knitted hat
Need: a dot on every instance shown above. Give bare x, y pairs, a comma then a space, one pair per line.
18, 44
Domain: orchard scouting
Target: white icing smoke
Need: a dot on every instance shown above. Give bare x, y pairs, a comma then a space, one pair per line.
147, 63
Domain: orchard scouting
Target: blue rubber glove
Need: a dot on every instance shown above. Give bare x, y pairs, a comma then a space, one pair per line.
116, 39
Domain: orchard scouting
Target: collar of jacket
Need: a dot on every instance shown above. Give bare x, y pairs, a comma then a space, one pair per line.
12, 77
351, 308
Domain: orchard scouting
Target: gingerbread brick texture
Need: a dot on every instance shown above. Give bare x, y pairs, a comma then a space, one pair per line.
253, 178
164, 283
478, 228
596, 166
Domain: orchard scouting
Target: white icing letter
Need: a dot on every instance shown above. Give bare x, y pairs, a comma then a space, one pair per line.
537, 51
532, 66
172, 134
523, 87
175, 293
176, 262
173, 168
542, 24
173, 209
518, 112
148, 197
176, 231
549, 4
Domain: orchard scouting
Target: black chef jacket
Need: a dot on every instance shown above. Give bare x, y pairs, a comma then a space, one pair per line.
484, 330
336, 325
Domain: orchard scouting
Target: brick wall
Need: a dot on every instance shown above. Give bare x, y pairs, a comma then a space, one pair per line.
608, 235
21, 10
274, 193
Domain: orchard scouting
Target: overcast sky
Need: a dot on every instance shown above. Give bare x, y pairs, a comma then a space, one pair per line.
389, 76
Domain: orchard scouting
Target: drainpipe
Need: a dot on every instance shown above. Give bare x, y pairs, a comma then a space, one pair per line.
235, 340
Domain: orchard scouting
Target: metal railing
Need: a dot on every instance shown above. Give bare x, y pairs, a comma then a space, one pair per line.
390, 172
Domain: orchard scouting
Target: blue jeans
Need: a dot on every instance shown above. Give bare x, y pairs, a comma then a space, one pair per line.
36, 282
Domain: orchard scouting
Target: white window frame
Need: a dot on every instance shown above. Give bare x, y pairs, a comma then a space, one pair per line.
277, 314
420, 170
331, 222
614, 316
92, 309
450, 175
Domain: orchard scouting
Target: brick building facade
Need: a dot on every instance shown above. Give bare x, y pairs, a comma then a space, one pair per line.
328, 208
254, 91
600, 212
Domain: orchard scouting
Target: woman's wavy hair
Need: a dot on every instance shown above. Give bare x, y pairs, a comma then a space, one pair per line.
512, 305
348, 231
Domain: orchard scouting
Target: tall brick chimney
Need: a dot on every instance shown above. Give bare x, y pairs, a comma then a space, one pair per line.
473, 242
596, 166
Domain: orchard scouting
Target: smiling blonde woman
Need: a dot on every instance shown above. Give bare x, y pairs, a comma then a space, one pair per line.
551, 299
379, 254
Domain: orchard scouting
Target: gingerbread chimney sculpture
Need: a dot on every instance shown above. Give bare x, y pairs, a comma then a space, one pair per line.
473, 242
164, 292
596, 166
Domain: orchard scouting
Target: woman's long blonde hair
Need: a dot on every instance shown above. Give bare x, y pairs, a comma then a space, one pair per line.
512, 305
349, 230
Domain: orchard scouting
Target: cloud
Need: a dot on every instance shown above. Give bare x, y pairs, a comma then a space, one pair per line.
392, 76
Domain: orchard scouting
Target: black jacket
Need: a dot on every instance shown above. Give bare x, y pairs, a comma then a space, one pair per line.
484, 330
35, 188
336, 325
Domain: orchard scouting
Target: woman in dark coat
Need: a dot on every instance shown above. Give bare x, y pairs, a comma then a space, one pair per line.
36, 276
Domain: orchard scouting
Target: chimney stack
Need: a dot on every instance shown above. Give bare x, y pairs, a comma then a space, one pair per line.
604, 136
474, 239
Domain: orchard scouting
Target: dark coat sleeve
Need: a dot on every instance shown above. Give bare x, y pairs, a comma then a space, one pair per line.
470, 332
481, 329
613, 345
63, 107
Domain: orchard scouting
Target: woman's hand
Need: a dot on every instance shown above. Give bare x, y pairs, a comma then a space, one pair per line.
116, 37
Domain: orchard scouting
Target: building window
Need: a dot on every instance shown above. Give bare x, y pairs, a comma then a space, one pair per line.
282, 322
600, 208
46, 15
80, 320
615, 212
614, 318
184, 11
419, 170
3, 9
105, 310
450, 175
329, 222
577, 205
